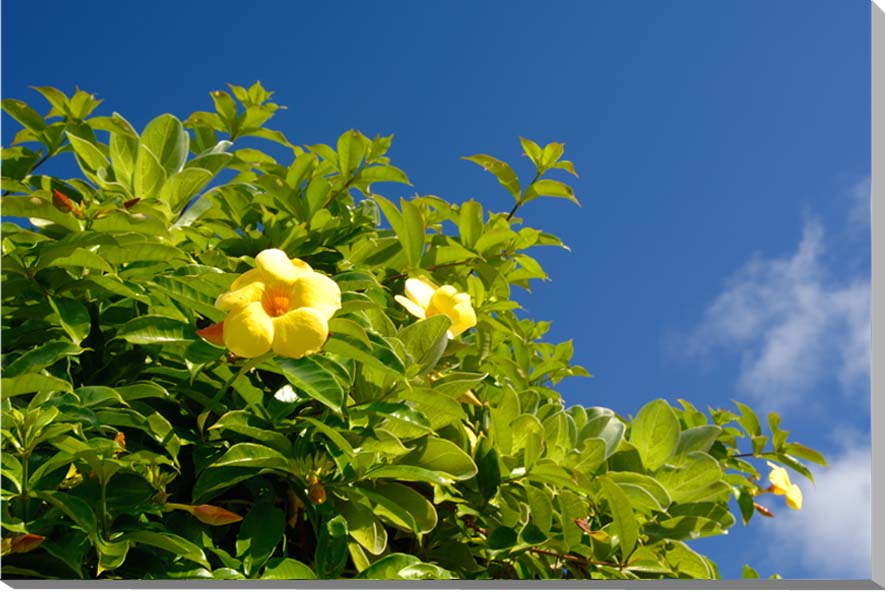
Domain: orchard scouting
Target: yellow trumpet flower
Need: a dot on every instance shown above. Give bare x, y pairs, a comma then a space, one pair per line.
780, 484
424, 299
281, 305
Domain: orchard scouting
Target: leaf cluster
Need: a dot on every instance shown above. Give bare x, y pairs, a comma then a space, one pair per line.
135, 449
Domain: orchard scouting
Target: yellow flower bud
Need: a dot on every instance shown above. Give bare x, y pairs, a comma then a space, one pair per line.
424, 299
282, 305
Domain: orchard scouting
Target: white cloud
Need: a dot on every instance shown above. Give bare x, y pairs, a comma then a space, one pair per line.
790, 325
830, 537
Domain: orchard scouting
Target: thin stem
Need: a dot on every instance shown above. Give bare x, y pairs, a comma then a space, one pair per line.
755, 454
522, 201
570, 557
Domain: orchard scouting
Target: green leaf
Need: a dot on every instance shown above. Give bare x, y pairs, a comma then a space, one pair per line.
331, 551
167, 141
413, 236
655, 433
156, 329
499, 169
313, 379
87, 153
243, 422
253, 455
440, 409
408, 226
532, 150
699, 478
111, 555
382, 173
426, 341
550, 188
23, 114
287, 569
34, 207
73, 317
470, 223
699, 438
178, 189
352, 147
75, 508
442, 456
688, 563
406, 473
797, 450
403, 505
399, 566
332, 434
748, 572
32, 383
73, 258
260, 533
624, 520
171, 543
653, 488
363, 526
149, 175
748, 420
41, 357
778, 435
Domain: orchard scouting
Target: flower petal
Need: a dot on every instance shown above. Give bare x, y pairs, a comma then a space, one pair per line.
419, 291
241, 297
318, 292
277, 266
299, 332
301, 265
463, 318
794, 497
779, 478
247, 278
249, 331
213, 333
443, 301
412, 307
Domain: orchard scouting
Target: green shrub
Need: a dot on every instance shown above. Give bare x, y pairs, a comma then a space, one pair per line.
405, 448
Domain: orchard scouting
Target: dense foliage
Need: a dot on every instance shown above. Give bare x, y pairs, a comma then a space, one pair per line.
134, 448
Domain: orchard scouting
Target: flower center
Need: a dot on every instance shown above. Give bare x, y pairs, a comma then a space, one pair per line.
276, 301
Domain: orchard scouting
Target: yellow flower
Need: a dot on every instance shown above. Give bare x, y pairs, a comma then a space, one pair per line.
281, 305
780, 484
424, 299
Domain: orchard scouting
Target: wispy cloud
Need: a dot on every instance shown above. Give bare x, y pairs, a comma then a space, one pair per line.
790, 324
830, 537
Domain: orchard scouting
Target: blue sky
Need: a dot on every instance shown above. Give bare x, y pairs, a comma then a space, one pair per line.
722, 250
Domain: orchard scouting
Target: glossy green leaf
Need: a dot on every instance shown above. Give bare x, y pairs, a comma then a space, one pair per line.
171, 543
307, 375
156, 329
287, 569
253, 455
41, 357
425, 341
624, 520
260, 533
442, 456
363, 526
505, 174
655, 433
